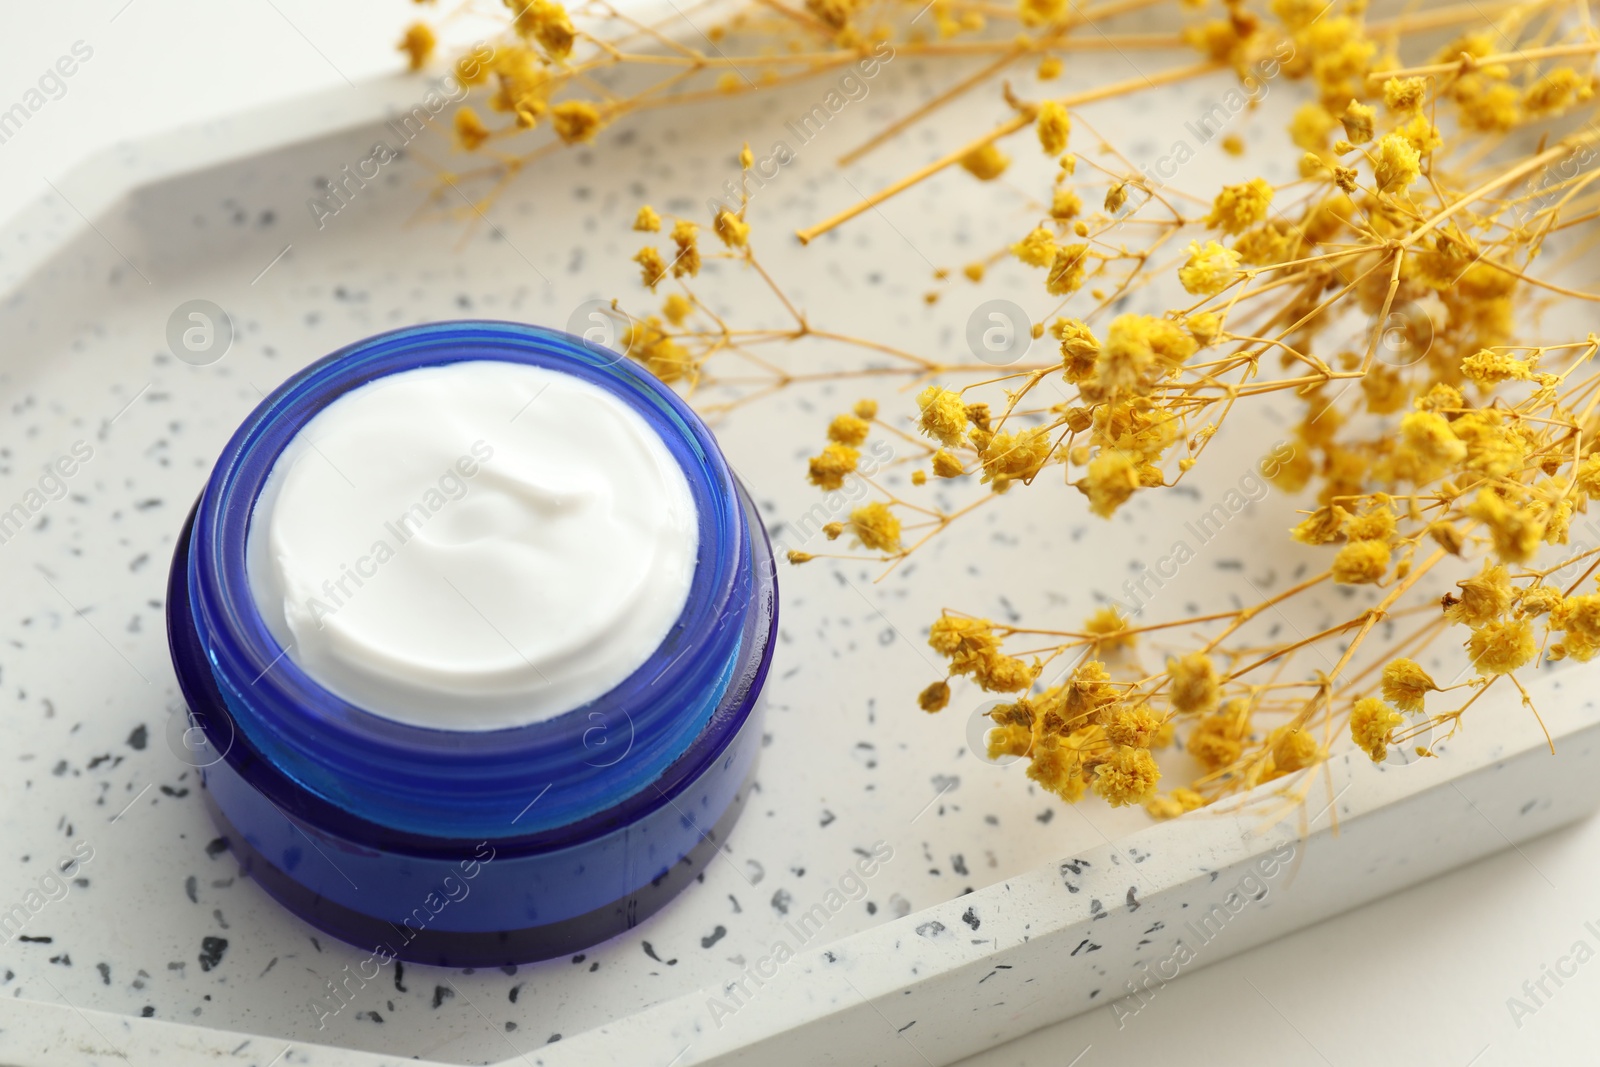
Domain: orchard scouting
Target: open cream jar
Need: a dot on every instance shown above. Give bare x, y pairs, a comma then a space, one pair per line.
474, 545
472, 618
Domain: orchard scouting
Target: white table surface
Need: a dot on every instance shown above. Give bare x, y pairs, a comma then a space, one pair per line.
1422, 977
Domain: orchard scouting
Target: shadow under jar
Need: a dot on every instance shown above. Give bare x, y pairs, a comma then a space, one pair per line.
497, 844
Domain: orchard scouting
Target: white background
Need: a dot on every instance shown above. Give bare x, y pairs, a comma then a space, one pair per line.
1422, 977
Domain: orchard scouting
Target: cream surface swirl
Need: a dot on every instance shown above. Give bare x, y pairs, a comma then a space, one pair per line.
473, 546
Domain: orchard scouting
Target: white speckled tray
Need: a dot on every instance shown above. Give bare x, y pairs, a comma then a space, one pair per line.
999, 910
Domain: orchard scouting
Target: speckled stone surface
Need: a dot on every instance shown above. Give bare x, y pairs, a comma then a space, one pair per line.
998, 910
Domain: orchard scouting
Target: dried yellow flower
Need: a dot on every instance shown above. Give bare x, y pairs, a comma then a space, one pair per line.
470, 130
1440, 398
1129, 776
1041, 12
985, 163
1239, 207
848, 430
687, 261
1003, 674
1135, 727
834, 13
1397, 165
418, 44
647, 221
1038, 249
1054, 126
1218, 741
1163, 807
936, 697
676, 308
1323, 526
1358, 120
978, 415
1292, 474
1488, 368
1404, 95
827, 471
1379, 524
946, 465
1079, 349
1516, 531
1484, 597
651, 266
1578, 618
1487, 105
1015, 456
1068, 269
963, 641
1405, 683
1180, 801
1003, 741
470, 69
575, 121
1272, 242
1372, 727
1196, 686
1139, 348
944, 416
1430, 435
1065, 205
1502, 646
546, 22
1088, 692
876, 527
1540, 600
1361, 563
660, 354
1111, 479
1385, 390
1421, 134
1587, 476
1223, 40
1210, 269
1294, 750
733, 230
1204, 326
1310, 127
1057, 765
1558, 90
1110, 630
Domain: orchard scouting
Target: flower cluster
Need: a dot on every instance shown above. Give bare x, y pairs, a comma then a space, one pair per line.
1383, 300
1083, 736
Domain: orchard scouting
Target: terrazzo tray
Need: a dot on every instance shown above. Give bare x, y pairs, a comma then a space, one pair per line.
888, 897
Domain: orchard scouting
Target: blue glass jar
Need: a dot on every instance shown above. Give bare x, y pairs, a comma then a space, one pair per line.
469, 848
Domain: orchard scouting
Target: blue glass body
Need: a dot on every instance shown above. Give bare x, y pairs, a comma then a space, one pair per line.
489, 847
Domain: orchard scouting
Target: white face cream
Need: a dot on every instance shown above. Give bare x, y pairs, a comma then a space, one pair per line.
473, 546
